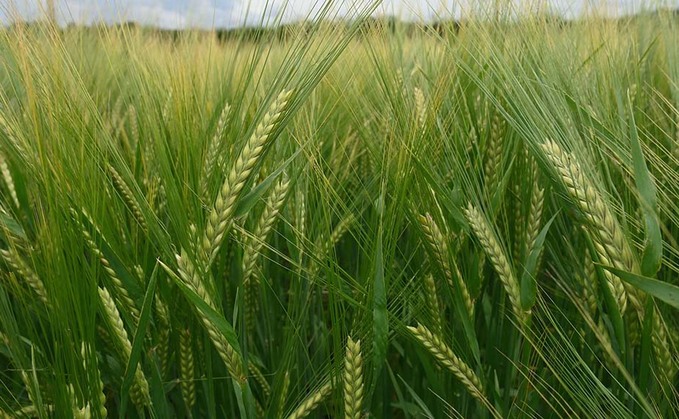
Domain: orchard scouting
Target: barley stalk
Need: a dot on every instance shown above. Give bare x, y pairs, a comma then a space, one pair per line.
445, 356
353, 380
498, 257
219, 218
140, 388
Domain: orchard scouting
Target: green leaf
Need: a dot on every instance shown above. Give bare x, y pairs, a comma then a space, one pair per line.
138, 341
653, 247
529, 286
661, 290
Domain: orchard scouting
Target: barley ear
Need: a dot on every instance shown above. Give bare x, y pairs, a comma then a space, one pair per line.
311, 402
353, 380
219, 218
445, 356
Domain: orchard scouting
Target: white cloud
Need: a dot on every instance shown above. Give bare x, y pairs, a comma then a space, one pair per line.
230, 13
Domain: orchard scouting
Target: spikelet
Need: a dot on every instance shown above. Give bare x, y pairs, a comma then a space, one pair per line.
445, 356
439, 248
212, 156
219, 218
311, 402
15, 261
353, 380
254, 245
186, 369
140, 387
609, 240
498, 257
128, 197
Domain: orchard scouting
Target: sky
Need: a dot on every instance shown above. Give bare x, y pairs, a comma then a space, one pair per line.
179, 14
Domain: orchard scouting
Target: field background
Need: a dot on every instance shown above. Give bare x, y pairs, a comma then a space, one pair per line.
358, 220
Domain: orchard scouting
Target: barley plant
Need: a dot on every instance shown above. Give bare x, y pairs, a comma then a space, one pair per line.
341, 218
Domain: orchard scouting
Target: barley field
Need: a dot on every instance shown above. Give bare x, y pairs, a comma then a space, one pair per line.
350, 220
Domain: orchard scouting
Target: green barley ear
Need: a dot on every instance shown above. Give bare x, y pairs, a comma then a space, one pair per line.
611, 245
9, 181
353, 380
439, 248
192, 278
212, 156
128, 197
312, 401
445, 356
494, 150
140, 387
420, 108
219, 218
86, 349
254, 245
432, 304
498, 257
14, 260
186, 369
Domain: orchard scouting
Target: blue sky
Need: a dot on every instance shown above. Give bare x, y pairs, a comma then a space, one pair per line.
230, 13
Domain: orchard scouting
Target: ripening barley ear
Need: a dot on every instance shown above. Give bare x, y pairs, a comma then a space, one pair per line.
128, 197
254, 245
445, 356
611, 245
226, 352
186, 369
498, 257
353, 380
140, 387
212, 156
494, 150
312, 401
14, 260
219, 218
439, 247
9, 181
